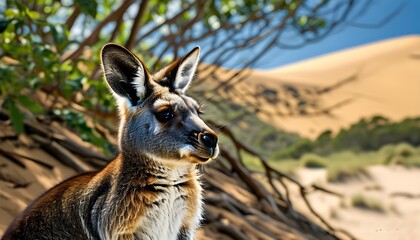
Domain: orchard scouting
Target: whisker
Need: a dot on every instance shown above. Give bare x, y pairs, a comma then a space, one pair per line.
234, 120
226, 125
205, 100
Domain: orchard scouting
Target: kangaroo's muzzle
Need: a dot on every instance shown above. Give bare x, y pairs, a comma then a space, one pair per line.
209, 142
205, 146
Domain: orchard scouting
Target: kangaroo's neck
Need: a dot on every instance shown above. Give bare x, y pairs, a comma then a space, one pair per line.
142, 170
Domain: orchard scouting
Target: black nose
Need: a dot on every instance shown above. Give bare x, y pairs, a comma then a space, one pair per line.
208, 139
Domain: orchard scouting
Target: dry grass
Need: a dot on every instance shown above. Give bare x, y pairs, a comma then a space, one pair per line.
345, 165
368, 203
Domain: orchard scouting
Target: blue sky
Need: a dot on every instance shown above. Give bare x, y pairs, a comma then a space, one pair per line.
406, 22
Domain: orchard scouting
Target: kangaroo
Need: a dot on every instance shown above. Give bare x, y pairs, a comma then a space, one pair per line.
151, 189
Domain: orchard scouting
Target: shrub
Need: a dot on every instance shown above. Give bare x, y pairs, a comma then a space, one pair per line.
365, 135
398, 154
387, 150
345, 174
313, 161
361, 201
405, 150
295, 151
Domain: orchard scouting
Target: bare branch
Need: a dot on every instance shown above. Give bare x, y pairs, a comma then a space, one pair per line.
136, 24
94, 36
70, 21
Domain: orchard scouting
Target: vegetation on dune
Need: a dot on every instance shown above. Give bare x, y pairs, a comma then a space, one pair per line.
346, 155
368, 203
403, 154
344, 165
366, 135
313, 161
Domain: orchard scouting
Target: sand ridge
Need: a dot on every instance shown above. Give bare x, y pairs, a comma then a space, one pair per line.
384, 80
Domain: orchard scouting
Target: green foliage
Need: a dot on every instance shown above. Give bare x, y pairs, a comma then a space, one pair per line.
33, 106
16, 116
26, 60
3, 24
31, 47
378, 131
402, 153
313, 161
405, 150
366, 135
345, 165
325, 136
296, 150
88, 6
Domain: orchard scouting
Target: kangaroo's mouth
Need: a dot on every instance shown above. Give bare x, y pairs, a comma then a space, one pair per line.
199, 155
202, 159
210, 155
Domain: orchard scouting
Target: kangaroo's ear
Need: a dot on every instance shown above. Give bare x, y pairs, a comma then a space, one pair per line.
124, 73
186, 70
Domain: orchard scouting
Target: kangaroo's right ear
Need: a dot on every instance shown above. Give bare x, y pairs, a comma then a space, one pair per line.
124, 73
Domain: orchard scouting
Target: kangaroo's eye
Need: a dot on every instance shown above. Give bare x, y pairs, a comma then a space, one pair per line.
164, 115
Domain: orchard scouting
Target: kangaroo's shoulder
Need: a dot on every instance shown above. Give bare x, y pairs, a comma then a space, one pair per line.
68, 186
47, 201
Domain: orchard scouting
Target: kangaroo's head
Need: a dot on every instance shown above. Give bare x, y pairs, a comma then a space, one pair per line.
157, 118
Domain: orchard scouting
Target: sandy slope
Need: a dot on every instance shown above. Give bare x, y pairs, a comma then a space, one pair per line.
387, 82
394, 187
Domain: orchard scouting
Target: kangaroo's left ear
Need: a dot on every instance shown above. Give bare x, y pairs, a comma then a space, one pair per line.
125, 74
186, 70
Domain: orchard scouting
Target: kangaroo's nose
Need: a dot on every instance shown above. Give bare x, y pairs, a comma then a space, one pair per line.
208, 139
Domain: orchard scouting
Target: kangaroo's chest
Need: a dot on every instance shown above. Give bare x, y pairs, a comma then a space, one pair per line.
163, 218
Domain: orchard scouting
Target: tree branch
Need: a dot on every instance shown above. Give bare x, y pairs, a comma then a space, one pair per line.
136, 24
94, 36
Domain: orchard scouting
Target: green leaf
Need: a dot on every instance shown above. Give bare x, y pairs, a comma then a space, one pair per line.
11, 13
322, 23
32, 14
303, 20
17, 117
88, 6
59, 34
30, 104
3, 24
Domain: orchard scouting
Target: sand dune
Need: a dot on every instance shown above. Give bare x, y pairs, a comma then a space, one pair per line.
386, 81
390, 186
